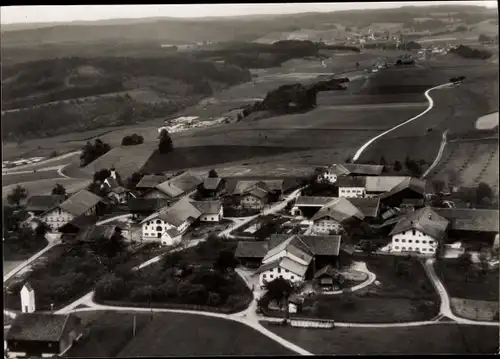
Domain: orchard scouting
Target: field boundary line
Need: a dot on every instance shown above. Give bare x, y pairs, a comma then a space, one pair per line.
438, 156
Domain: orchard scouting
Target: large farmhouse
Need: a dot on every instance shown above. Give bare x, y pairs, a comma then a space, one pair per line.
40, 204
291, 257
331, 217
168, 224
83, 203
419, 231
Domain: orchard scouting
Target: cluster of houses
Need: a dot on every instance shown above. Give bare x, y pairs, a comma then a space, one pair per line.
392, 207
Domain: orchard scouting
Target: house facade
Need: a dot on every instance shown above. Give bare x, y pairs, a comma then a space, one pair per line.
171, 237
326, 225
56, 218
249, 200
154, 228
420, 231
211, 211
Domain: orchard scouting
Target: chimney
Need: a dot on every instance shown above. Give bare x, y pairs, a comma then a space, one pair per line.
430, 216
113, 173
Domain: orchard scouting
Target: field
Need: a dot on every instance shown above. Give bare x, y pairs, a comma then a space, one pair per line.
45, 186
11, 179
193, 335
430, 339
475, 309
466, 163
474, 287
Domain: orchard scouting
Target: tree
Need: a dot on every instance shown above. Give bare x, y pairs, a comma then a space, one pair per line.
225, 261
59, 190
165, 145
133, 180
132, 140
101, 175
17, 195
278, 290
212, 174
397, 166
483, 191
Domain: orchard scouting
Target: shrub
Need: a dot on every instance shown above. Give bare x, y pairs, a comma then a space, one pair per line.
132, 140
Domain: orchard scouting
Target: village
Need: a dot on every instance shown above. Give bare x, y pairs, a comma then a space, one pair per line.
293, 239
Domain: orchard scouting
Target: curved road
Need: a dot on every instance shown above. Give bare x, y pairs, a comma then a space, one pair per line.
431, 105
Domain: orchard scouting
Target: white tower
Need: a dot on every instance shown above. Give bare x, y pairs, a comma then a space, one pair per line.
27, 299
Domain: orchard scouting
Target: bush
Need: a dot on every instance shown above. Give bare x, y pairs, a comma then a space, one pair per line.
132, 140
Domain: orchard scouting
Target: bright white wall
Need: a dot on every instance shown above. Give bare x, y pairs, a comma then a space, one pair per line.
414, 241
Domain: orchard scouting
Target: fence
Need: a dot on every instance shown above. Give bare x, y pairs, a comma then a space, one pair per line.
312, 324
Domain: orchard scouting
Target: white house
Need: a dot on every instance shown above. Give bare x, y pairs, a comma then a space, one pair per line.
332, 173
329, 218
171, 237
211, 211
179, 216
177, 187
82, 203
419, 231
351, 187
27, 299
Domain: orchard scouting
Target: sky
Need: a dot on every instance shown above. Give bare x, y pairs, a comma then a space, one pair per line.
67, 13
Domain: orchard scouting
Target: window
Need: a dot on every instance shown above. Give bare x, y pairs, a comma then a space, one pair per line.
424, 242
403, 233
264, 275
281, 276
396, 239
431, 249
159, 235
286, 270
396, 247
410, 248
417, 241
403, 240
413, 231
403, 248
279, 270
410, 241
158, 228
271, 276
292, 277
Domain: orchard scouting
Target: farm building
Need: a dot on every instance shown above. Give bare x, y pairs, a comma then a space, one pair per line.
351, 187
77, 224
254, 196
308, 206
148, 182
328, 278
471, 224
332, 173
42, 334
410, 188
332, 216
180, 217
93, 232
146, 206
176, 187
370, 207
212, 211
419, 231
83, 203
376, 186
114, 189
40, 204
291, 257
213, 187
251, 253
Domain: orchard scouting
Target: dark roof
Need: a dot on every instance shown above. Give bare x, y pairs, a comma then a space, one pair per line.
147, 204
348, 181
424, 220
340, 209
414, 184
244, 186
368, 206
289, 182
212, 183
93, 232
180, 184
80, 222
150, 181
208, 207
177, 214
360, 169
251, 249
80, 202
380, 184
44, 203
173, 232
40, 326
313, 201
318, 245
28, 287
466, 219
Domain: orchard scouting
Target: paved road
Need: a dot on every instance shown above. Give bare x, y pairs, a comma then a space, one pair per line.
430, 107
44, 169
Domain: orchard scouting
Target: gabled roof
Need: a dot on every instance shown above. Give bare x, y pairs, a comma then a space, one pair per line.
40, 326
360, 169
327, 270
244, 186
368, 206
208, 207
150, 181
341, 209
80, 202
111, 183
147, 204
348, 181
212, 184
28, 287
93, 232
44, 203
317, 245
313, 201
424, 220
467, 219
180, 184
173, 233
177, 214
79, 222
294, 245
285, 263
414, 184
382, 183
256, 191
251, 249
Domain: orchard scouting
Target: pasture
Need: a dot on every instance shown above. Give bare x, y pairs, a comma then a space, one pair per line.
173, 334
45, 186
10, 179
442, 338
